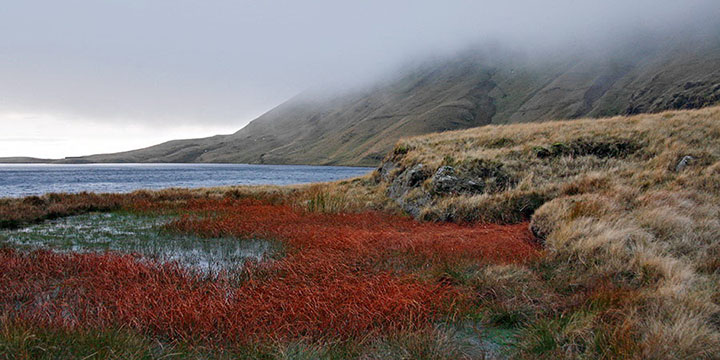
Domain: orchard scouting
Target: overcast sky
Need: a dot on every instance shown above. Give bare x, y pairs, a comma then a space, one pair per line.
88, 76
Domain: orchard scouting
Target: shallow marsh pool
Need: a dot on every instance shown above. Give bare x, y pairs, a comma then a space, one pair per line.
144, 235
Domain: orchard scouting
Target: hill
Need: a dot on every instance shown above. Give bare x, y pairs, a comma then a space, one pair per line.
358, 127
23, 160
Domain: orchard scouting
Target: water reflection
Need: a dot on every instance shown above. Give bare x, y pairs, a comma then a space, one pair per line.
129, 233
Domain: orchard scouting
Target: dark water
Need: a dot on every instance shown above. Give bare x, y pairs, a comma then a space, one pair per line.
23, 180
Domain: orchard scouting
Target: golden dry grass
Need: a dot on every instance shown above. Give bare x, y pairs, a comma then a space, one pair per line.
611, 205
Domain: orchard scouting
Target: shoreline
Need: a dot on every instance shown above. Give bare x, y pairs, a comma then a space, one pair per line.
21, 180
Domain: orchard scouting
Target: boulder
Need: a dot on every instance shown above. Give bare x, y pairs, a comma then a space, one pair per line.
406, 181
386, 170
413, 205
683, 163
445, 181
416, 175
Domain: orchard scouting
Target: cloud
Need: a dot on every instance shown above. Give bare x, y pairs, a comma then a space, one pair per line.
30, 139
222, 62
50, 136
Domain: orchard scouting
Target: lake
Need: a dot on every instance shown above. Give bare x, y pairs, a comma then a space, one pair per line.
18, 180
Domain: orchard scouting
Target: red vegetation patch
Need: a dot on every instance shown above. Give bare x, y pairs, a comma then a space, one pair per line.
364, 237
97, 290
344, 275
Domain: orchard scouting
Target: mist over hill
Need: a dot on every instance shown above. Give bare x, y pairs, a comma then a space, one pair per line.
468, 89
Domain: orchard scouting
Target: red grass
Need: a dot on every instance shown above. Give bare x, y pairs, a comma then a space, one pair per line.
344, 275
364, 236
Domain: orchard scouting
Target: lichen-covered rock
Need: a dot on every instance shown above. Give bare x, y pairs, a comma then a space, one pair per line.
448, 180
414, 201
406, 187
416, 175
386, 170
415, 187
683, 163
445, 181
407, 180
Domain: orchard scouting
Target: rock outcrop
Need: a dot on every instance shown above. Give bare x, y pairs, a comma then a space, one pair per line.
418, 186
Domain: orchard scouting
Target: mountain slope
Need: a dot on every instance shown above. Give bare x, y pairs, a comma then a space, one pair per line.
358, 127
23, 160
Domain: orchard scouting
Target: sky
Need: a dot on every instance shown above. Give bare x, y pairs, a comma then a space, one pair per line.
80, 77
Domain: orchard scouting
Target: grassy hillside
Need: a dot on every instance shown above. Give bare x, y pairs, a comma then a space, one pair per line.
358, 127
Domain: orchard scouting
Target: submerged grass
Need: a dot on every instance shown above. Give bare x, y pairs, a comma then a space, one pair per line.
141, 234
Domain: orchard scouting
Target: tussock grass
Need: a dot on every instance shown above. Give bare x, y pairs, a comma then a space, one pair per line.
609, 203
